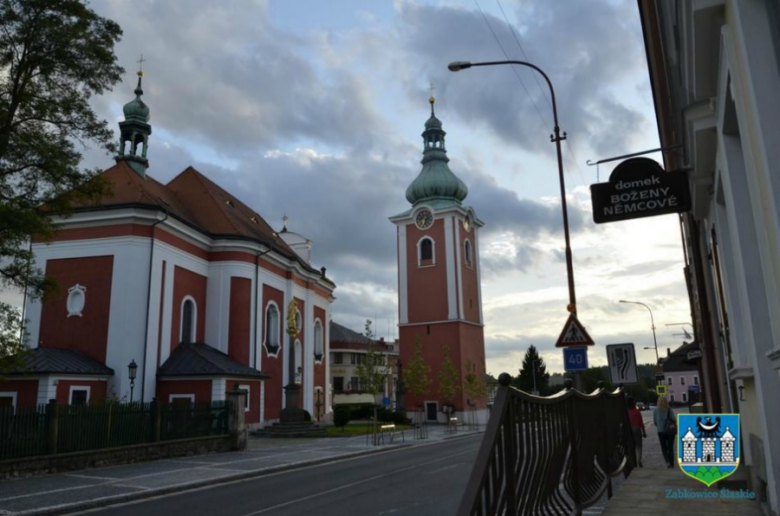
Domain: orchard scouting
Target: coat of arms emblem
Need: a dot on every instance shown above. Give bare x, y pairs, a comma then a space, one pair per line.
708, 445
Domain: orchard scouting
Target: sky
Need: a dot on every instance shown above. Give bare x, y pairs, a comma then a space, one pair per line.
314, 109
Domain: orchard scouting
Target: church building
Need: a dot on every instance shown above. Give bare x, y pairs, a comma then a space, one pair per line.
174, 291
440, 299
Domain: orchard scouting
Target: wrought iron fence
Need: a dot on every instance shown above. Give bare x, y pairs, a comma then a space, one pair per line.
549, 455
52, 428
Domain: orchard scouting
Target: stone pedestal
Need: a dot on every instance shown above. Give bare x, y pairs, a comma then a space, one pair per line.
236, 421
292, 413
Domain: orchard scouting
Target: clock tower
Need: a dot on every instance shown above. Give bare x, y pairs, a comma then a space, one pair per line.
439, 293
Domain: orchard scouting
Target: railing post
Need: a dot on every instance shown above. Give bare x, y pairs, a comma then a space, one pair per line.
575, 463
511, 449
156, 420
52, 425
602, 401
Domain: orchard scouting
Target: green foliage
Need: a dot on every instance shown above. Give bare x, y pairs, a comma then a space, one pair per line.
417, 373
533, 365
372, 371
12, 338
449, 379
474, 383
54, 54
341, 416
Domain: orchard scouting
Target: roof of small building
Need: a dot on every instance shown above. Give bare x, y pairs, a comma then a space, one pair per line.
59, 361
677, 361
342, 337
203, 360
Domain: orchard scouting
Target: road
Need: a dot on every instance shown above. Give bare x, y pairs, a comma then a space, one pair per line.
424, 480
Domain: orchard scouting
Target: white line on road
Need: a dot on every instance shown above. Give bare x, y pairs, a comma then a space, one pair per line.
347, 486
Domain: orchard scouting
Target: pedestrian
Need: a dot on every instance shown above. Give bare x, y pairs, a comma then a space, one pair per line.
637, 428
665, 423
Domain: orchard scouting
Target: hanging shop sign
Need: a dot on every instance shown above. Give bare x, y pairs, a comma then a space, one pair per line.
639, 187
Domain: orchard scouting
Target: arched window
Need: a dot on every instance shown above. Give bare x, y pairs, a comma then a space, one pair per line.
319, 346
272, 329
426, 251
189, 319
467, 249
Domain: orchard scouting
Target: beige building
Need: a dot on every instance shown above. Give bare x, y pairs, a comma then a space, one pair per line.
715, 72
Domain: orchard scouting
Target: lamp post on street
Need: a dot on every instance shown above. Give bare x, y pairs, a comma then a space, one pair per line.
555, 138
132, 370
652, 323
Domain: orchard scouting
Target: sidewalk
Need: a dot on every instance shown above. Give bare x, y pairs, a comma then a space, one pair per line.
85, 489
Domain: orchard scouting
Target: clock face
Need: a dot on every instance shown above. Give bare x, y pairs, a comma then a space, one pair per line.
424, 219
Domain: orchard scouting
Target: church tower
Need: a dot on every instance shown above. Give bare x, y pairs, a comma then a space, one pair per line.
135, 131
440, 300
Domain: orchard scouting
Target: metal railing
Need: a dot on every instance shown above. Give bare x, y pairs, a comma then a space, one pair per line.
549, 455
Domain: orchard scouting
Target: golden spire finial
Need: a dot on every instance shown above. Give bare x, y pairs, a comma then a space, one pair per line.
432, 99
140, 62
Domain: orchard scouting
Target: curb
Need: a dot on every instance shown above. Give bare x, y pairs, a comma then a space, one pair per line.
152, 493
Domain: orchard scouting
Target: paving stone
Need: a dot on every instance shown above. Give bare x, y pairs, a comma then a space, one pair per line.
23, 486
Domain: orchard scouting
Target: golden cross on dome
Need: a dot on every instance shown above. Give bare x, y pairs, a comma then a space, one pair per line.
141, 65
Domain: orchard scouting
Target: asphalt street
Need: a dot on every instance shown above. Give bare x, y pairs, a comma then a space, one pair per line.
422, 480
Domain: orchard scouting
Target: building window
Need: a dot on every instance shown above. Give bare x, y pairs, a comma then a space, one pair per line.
7, 402
669, 381
671, 398
338, 358
682, 380
246, 399
467, 252
189, 315
354, 383
685, 396
338, 383
426, 251
354, 359
319, 345
298, 321
181, 399
272, 329
695, 380
79, 395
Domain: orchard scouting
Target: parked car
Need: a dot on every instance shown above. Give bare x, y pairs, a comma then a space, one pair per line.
641, 406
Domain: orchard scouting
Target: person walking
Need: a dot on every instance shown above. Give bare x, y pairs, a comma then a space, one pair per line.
666, 424
637, 428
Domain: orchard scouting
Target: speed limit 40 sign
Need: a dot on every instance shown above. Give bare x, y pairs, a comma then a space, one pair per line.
575, 359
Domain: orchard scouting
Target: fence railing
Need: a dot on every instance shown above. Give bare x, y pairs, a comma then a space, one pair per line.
52, 428
549, 455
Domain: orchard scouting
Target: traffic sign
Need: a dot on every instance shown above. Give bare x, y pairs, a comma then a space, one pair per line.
575, 359
573, 334
622, 364
661, 390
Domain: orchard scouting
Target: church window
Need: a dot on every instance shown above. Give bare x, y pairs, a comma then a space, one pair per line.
426, 252
467, 249
189, 316
272, 329
318, 341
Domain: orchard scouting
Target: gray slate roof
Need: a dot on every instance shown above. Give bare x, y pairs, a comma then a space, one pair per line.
203, 360
60, 361
339, 333
677, 361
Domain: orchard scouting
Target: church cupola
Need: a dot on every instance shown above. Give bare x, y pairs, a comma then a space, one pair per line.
135, 131
436, 184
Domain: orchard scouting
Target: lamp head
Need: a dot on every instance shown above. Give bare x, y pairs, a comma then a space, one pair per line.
457, 66
132, 368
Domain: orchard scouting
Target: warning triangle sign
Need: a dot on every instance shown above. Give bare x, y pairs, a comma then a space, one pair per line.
573, 334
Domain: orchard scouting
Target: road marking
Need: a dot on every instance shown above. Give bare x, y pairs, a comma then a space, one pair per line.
347, 486
445, 468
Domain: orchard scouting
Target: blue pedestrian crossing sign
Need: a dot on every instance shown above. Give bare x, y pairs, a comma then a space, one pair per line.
575, 359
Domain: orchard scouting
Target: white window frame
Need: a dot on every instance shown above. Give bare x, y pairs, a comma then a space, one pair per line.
193, 329
172, 397
10, 394
79, 388
319, 341
468, 252
419, 251
278, 333
247, 403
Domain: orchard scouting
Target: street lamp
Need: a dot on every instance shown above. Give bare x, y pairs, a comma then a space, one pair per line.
132, 369
652, 323
556, 138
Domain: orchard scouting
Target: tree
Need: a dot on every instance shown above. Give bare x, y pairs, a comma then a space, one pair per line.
475, 388
372, 372
449, 379
12, 338
533, 365
417, 379
54, 54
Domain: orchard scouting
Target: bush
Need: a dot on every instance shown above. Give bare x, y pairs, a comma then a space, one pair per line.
364, 411
400, 418
341, 416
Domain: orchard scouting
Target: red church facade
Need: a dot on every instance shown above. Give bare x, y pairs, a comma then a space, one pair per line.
184, 280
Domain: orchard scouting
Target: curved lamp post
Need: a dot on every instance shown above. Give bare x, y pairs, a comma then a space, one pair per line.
652, 323
556, 138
